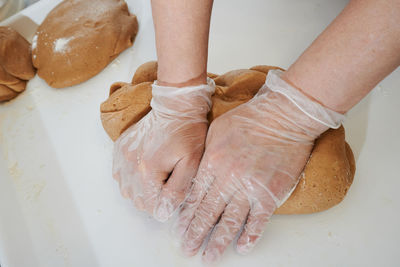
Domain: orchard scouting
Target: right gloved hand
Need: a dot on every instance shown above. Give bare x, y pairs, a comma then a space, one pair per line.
156, 159
252, 162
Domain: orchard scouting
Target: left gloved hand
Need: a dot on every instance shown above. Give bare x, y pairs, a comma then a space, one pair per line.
156, 159
252, 162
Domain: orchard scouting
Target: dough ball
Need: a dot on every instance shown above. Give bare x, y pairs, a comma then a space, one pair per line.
239, 84
79, 38
127, 105
15, 63
328, 174
235, 88
326, 178
147, 72
6, 93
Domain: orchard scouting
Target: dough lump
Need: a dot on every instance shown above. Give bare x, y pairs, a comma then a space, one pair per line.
79, 38
328, 174
15, 63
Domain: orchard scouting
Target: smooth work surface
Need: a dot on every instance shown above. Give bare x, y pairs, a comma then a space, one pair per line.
59, 205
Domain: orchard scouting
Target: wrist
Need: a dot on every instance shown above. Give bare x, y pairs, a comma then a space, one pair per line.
200, 79
299, 107
310, 85
189, 101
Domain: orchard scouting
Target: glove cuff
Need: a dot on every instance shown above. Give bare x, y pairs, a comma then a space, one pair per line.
189, 101
170, 91
312, 109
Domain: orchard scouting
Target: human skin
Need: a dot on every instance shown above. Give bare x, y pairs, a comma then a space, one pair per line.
156, 159
359, 49
181, 29
356, 51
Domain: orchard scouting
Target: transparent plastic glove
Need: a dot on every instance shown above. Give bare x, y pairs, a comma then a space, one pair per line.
156, 159
253, 158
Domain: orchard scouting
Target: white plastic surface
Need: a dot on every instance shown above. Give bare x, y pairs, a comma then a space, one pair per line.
59, 205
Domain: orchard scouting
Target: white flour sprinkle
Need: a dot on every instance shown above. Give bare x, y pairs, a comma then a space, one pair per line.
34, 42
61, 45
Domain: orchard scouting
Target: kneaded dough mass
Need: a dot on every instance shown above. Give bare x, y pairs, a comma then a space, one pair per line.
79, 38
15, 63
329, 171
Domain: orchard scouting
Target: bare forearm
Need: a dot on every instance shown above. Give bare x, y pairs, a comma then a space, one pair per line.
182, 29
359, 49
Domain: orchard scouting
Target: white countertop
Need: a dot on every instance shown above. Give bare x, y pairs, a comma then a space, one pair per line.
59, 205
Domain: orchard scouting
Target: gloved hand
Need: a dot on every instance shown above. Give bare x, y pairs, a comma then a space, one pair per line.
254, 156
156, 159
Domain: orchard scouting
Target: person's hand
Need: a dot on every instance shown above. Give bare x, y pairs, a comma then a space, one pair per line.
156, 159
254, 156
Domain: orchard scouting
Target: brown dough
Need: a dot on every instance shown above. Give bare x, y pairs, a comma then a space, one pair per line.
125, 107
6, 93
7, 78
15, 63
79, 38
145, 73
326, 178
328, 174
239, 84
